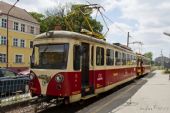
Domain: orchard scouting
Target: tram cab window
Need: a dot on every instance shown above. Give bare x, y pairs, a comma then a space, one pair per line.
52, 56
99, 56
76, 57
118, 58
110, 57
123, 59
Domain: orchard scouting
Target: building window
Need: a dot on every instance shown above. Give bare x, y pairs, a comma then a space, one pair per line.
23, 27
2, 58
31, 44
3, 40
18, 58
22, 43
4, 23
15, 42
99, 56
16, 26
32, 30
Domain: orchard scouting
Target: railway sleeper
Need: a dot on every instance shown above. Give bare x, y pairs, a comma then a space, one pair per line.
43, 103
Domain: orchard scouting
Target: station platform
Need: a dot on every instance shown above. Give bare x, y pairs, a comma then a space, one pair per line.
152, 97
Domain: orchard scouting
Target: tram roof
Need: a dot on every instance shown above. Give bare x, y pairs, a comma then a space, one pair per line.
74, 35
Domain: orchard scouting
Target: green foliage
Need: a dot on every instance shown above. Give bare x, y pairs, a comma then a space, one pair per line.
68, 17
41, 19
149, 55
78, 17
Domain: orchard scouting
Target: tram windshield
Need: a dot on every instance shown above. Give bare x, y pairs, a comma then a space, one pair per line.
50, 56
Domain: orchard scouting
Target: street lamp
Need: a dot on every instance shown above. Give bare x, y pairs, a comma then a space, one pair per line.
7, 48
168, 34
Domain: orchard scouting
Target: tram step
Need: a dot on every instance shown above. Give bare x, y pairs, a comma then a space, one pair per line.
88, 96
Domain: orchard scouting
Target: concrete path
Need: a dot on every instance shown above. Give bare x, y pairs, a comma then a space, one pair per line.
153, 97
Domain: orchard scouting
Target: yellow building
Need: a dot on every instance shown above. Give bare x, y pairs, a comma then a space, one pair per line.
22, 30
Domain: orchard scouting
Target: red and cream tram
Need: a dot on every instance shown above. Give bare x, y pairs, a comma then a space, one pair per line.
143, 65
72, 66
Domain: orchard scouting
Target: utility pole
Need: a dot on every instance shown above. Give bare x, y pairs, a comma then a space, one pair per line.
162, 60
128, 36
138, 42
7, 40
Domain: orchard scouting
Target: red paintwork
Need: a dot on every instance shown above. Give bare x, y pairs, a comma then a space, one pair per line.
71, 85
97, 78
34, 86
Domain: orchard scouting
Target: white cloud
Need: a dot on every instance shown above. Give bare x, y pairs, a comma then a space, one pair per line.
151, 20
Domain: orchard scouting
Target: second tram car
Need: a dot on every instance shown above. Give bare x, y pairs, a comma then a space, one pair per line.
70, 66
143, 65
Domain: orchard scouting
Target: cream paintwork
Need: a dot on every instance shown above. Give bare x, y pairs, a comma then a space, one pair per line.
75, 98
49, 73
72, 41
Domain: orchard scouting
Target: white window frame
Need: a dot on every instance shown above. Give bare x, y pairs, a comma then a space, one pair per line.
32, 30
4, 23
2, 58
15, 42
20, 60
22, 27
3, 40
16, 26
22, 44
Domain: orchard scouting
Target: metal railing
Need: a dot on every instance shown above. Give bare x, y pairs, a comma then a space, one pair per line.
13, 90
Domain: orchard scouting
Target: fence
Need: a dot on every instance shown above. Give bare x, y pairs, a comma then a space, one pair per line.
14, 90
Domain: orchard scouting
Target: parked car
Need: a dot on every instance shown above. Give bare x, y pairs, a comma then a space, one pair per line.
11, 82
24, 73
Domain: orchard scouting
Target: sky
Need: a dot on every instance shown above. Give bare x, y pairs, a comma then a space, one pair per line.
146, 20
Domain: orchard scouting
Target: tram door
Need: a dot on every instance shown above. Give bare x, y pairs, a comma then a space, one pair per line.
86, 88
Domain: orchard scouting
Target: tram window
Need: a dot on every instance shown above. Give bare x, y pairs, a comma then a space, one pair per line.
123, 59
110, 57
76, 57
135, 60
118, 58
99, 56
92, 54
129, 59
50, 56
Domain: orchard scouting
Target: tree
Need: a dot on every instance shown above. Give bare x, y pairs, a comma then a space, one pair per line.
149, 55
42, 21
69, 17
73, 18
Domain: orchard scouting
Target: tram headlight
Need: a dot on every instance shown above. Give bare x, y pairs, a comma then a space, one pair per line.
59, 78
32, 76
